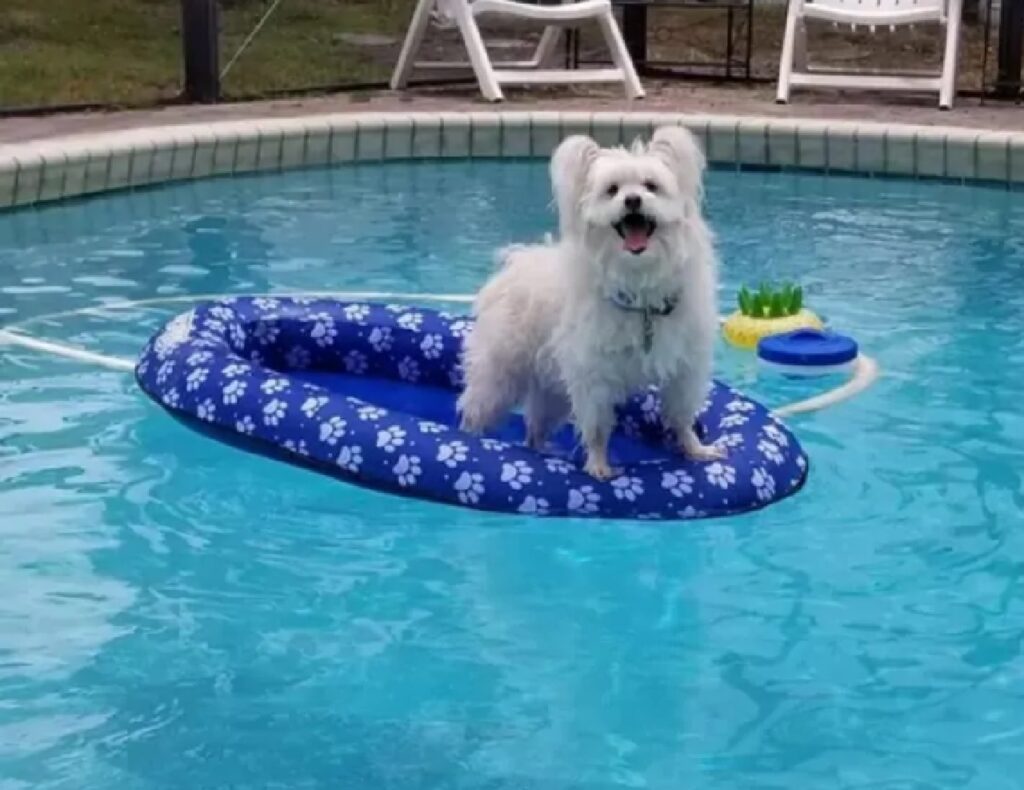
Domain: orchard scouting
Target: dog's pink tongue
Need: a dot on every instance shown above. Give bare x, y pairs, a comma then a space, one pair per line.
635, 239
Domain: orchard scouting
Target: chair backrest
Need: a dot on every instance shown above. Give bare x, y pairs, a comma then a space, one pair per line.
879, 6
445, 11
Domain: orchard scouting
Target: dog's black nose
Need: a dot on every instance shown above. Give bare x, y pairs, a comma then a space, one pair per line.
633, 202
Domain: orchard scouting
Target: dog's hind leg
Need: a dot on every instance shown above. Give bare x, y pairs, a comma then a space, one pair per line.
545, 410
492, 389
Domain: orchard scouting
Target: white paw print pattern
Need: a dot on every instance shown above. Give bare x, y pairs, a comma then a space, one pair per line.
164, 371
245, 425
274, 411
332, 430
460, 327
451, 454
428, 426
198, 358
380, 339
355, 362
432, 346
534, 506
627, 488
356, 312
493, 445
584, 499
195, 379
298, 358
777, 436
368, 413
236, 369
469, 487
298, 447
771, 452
274, 386
266, 333
411, 321
313, 404
516, 474
739, 406
729, 440
171, 398
390, 439
323, 332
222, 312
207, 410
719, 474
266, 303
407, 470
233, 391
350, 458
236, 334
650, 408
175, 334
409, 369
678, 483
558, 466
734, 420
764, 484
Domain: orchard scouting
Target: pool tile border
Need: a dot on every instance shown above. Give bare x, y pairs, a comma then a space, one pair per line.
54, 169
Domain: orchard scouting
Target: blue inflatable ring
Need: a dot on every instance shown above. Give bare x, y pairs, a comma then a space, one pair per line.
367, 393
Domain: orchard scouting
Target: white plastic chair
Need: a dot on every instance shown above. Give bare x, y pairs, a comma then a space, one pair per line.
555, 18
795, 72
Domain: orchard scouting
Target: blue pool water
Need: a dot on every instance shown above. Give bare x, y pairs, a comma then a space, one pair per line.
177, 615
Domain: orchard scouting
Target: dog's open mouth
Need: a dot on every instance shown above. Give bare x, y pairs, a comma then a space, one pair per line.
636, 231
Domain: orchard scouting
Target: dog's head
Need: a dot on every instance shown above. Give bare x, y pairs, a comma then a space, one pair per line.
632, 200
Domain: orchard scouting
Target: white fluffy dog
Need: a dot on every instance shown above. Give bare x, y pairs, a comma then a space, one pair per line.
626, 297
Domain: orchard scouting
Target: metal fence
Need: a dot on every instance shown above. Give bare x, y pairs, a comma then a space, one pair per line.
60, 53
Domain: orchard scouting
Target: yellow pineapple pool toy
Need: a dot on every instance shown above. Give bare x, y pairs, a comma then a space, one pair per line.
768, 312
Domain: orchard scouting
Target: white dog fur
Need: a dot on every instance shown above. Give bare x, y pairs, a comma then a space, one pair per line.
560, 327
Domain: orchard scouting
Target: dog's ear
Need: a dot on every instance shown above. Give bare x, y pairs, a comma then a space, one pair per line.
679, 150
570, 165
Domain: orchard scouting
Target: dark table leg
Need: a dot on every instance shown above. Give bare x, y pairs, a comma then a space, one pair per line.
1011, 44
728, 44
634, 31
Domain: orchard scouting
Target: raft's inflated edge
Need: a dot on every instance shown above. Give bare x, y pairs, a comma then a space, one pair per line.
366, 393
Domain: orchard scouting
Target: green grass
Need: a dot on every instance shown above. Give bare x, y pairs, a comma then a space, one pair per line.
129, 51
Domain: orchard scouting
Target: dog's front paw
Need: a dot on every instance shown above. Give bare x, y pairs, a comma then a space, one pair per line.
696, 451
600, 469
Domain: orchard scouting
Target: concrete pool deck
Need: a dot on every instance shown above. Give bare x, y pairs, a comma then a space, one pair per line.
663, 96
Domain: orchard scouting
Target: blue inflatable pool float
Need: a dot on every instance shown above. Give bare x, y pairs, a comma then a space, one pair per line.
367, 392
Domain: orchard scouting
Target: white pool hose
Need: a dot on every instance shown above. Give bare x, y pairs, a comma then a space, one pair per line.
863, 374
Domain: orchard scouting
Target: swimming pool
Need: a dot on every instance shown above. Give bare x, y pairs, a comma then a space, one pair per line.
175, 614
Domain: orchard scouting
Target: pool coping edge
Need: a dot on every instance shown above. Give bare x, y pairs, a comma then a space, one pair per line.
53, 169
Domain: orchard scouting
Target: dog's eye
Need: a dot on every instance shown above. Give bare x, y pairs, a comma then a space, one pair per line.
651, 187
613, 190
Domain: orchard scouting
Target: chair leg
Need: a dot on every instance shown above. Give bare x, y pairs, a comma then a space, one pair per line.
620, 55
546, 47
411, 46
947, 89
789, 46
478, 57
